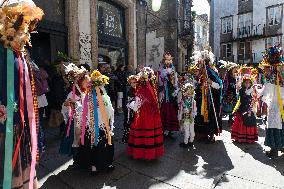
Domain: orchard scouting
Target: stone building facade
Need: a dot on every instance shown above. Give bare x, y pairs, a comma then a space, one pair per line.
201, 31
242, 29
167, 30
88, 30
101, 29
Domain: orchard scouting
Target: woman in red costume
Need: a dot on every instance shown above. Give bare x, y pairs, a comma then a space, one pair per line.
146, 132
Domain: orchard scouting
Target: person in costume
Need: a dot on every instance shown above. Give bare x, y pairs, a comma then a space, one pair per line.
273, 94
187, 113
128, 119
244, 128
93, 125
146, 131
18, 98
208, 96
229, 91
168, 91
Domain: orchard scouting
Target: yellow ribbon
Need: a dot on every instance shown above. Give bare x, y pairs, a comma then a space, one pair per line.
104, 114
279, 98
204, 107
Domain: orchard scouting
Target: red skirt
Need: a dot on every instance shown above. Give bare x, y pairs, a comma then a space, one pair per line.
242, 133
146, 136
169, 116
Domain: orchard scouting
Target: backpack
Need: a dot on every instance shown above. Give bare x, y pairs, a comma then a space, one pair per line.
41, 82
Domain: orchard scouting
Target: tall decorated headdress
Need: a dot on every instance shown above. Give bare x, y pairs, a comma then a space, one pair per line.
18, 19
147, 74
188, 88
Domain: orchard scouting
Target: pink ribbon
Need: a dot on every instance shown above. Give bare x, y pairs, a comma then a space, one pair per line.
72, 112
32, 124
84, 118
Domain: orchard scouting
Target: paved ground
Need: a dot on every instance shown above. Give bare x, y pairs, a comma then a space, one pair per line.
223, 165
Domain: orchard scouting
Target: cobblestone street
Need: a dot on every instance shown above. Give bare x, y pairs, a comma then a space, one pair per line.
220, 165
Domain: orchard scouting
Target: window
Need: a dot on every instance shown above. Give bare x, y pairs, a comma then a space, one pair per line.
227, 25
273, 41
245, 51
226, 50
274, 15
245, 24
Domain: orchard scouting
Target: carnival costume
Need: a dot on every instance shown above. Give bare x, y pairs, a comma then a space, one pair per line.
208, 96
128, 120
18, 98
229, 90
187, 113
93, 118
168, 91
244, 128
146, 131
273, 95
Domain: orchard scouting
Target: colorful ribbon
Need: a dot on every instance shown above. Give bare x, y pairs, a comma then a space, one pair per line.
72, 112
167, 89
84, 118
32, 123
104, 114
22, 108
96, 116
7, 182
279, 98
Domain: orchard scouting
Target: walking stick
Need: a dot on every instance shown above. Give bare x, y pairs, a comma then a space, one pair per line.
211, 97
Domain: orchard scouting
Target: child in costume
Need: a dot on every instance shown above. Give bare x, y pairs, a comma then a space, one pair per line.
187, 113
244, 128
132, 81
168, 92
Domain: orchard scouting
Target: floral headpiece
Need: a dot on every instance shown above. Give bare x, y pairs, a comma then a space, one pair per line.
273, 55
98, 79
228, 65
146, 74
245, 70
200, 56
188, 88
74, 73
17, 20
132, 78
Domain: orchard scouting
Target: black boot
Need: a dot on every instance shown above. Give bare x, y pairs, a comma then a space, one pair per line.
273, 153
183, 145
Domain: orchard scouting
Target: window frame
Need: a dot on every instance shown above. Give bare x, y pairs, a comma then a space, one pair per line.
274, 16
226, 21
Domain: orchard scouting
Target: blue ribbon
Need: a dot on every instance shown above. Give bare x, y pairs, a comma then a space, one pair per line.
167, 90
96, 117
7, 182
218, 80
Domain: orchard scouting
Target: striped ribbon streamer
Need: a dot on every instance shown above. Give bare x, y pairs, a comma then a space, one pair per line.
22, 108
72, 111
32, 123
96, 116
104, 114
84, 118
7, 182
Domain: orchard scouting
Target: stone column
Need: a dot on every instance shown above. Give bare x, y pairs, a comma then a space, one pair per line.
84, 17
73, 27
94, 33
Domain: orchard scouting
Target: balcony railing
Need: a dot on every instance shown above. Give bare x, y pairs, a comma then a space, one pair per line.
252, 31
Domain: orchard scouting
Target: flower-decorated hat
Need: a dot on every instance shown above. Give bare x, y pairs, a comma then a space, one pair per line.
188, 88
74, 73
18, 18
132, 78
